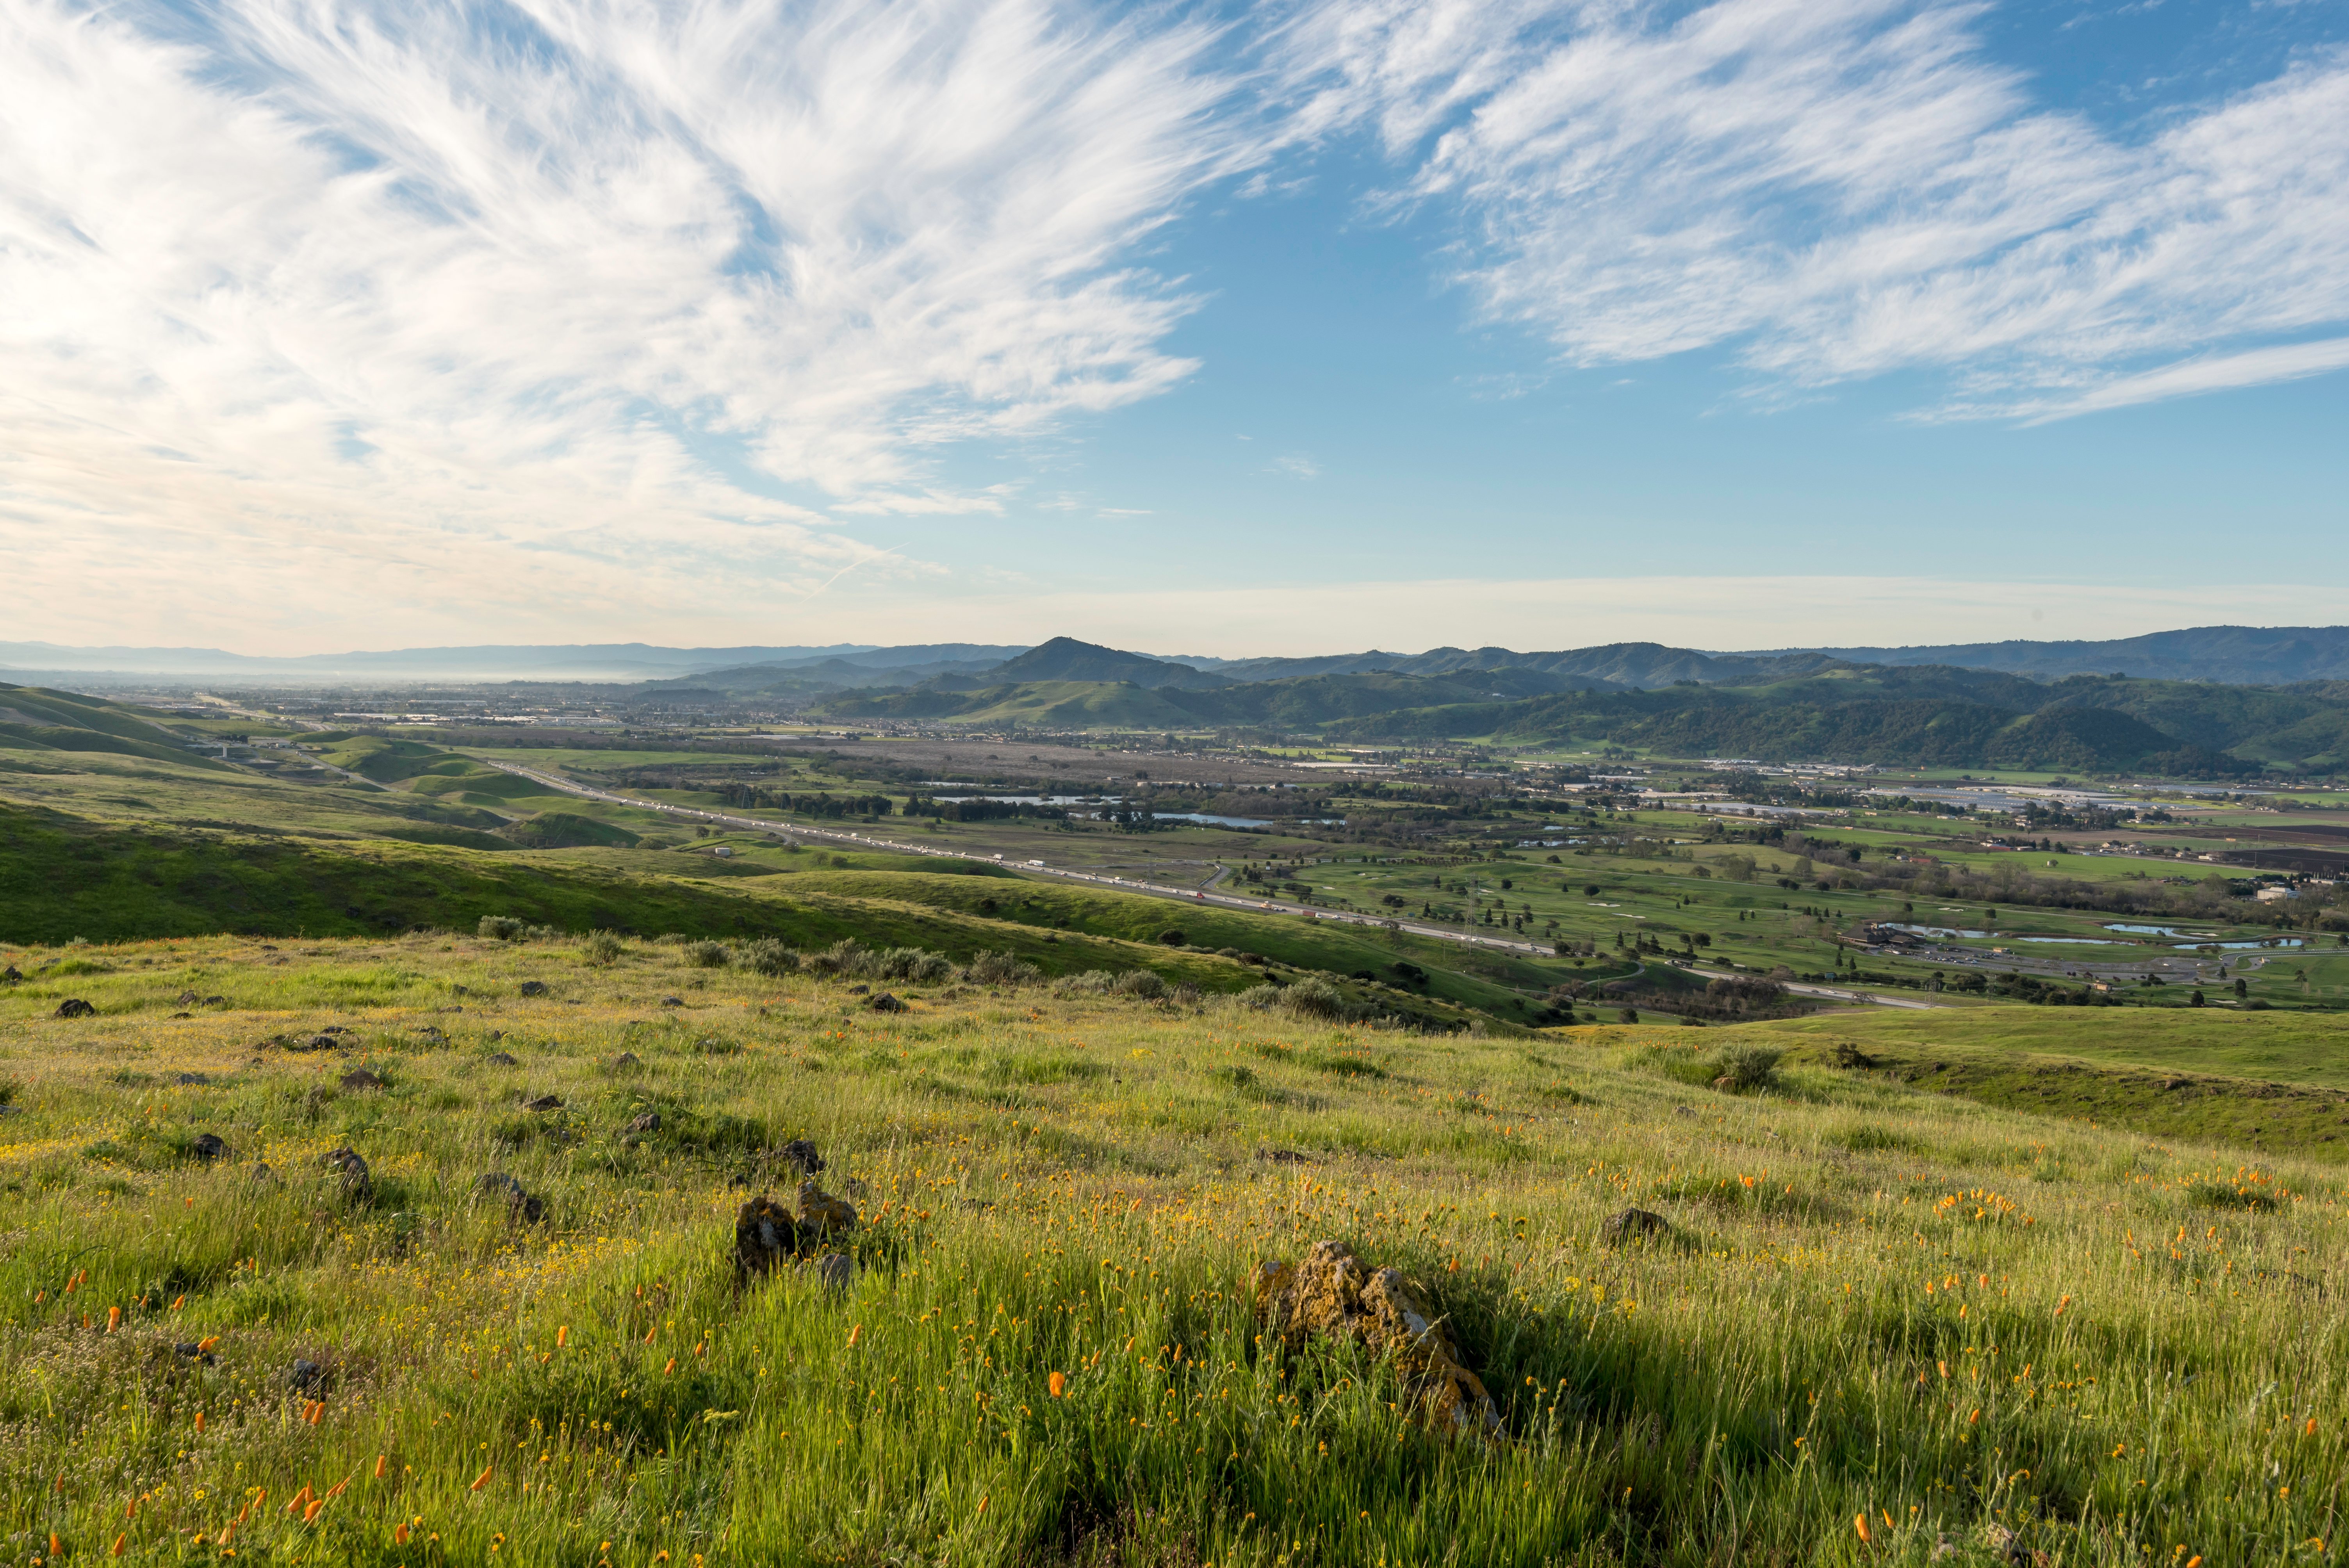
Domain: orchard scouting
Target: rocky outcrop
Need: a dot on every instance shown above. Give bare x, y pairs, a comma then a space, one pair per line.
1632, 1225
1334, 1295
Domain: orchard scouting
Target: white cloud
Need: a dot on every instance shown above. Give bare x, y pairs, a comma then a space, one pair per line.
1837, 188
1297, 466
463, 305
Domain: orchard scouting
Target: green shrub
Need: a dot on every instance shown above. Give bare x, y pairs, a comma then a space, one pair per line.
766, 956
500, 928
602, 947
708, 955
1142, 984
1743, 1068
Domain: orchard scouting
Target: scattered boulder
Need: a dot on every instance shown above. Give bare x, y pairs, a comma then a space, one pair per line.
361, 1078
303, 1376
672, 1002
649, 1121
11, 976
859, 990
184, 999
191, 1350
799, 1154
183, 1015
215, 1001
1632, 1225
533, 987
835, 1270
1334, 1295
544, 1103
885, 1002
519, 1205
263, 1175
209, 1147
765, 1235
351, 1171
73, 1007
500, 1059
187, 1081
821, 1214
1284, 1157
625, 1060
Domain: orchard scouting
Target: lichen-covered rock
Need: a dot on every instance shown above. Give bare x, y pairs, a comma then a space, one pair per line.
207, 1147
350, 1172
1334, 1295
821, 1214
765, 1237
73, 1007
359, 1080
650, 1121
801, 1155
544, 1103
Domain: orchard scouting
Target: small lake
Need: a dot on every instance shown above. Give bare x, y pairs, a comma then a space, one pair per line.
2161, 930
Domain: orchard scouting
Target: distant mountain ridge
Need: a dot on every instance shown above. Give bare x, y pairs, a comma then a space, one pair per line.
2235, 656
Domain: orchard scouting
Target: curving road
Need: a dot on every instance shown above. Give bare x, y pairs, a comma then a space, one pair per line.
1204, 894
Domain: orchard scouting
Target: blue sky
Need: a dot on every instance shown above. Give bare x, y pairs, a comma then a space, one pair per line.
1228, 330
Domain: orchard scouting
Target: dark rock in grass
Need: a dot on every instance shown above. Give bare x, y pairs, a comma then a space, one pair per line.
186, 999
500, 1059
533, 987
765, 1237
801, 1155
263, 1176
519, 1205
183, 1015
625, 1060
193, 1079
835, 1270
1284, 1157
191, 1350
209, 1146
1632, 1225
73, 1007
303, 1376
544, 1103
858, 990
885, 1002
350, 1172
672, 1002
649, 1122
215, 1001
10, 976
361, 1078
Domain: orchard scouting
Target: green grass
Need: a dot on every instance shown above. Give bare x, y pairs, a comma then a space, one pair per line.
1956, 1321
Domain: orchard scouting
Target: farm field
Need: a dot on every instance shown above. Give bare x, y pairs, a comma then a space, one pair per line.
1977, 1331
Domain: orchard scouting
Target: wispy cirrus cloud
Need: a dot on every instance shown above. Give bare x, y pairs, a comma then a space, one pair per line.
1839, 189
578, 299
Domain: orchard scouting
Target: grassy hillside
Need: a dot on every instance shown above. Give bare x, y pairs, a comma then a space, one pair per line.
1882, 1325
1495, 981
32, 718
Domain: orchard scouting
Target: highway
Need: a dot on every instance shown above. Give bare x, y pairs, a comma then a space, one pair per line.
1206, 894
